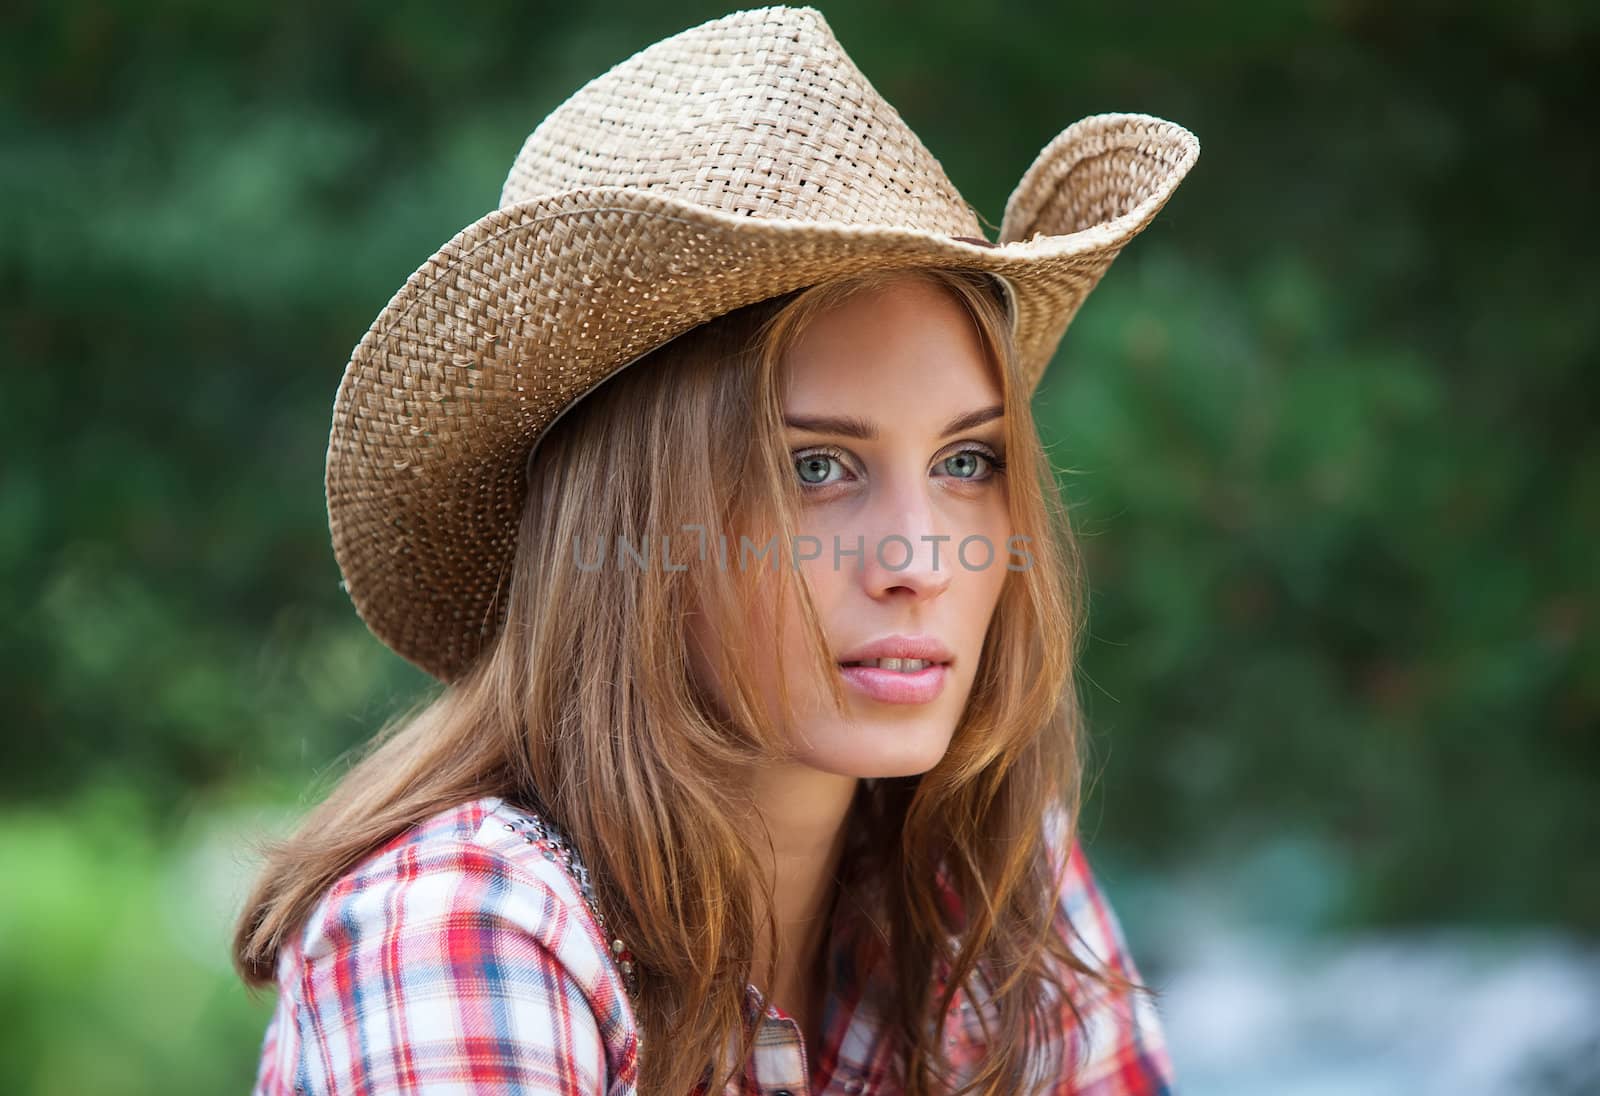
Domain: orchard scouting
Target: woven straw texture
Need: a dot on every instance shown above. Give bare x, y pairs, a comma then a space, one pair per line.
733, 162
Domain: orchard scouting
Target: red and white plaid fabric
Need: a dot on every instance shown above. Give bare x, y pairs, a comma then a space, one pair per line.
458, 959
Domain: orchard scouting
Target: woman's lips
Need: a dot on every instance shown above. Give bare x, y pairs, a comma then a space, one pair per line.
896, 686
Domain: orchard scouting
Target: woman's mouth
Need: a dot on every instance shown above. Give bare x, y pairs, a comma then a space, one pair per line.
904, 665
896, 680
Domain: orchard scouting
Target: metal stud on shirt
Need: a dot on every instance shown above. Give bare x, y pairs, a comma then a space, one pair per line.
544, 835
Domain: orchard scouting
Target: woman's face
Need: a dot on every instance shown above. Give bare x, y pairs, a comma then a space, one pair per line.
894, 430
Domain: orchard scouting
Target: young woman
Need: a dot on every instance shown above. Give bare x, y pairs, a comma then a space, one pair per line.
724, 520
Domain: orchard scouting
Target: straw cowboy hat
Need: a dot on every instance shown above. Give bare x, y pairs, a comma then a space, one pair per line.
735, 161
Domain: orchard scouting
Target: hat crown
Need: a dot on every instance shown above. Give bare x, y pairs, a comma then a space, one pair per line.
760, 113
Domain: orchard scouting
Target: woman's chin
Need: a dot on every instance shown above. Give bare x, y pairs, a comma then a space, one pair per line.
881, 748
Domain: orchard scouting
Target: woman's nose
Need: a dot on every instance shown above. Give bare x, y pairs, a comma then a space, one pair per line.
907, 549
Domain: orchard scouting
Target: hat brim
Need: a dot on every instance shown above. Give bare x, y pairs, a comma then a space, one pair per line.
532, 306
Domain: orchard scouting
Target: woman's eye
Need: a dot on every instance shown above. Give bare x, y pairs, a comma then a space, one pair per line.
971, 464
815, 468
823, 468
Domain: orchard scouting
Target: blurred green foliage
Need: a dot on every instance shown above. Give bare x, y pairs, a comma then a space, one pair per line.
1328, 428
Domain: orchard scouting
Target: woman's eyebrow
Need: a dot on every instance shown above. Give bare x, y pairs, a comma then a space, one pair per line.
850, 426
973, 419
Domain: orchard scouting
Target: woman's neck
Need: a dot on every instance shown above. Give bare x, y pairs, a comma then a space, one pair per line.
806, 812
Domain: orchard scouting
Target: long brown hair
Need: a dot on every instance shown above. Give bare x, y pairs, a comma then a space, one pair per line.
587, 704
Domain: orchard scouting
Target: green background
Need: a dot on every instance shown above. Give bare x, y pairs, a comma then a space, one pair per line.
1328, 428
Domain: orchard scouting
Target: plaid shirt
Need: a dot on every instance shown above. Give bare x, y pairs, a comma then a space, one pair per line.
459, 959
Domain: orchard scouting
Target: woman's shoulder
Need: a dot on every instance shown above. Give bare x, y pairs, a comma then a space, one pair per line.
483, 858
471, 925
1120, 1046
1082, 906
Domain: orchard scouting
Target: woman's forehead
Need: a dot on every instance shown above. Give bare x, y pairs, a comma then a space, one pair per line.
907, 347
